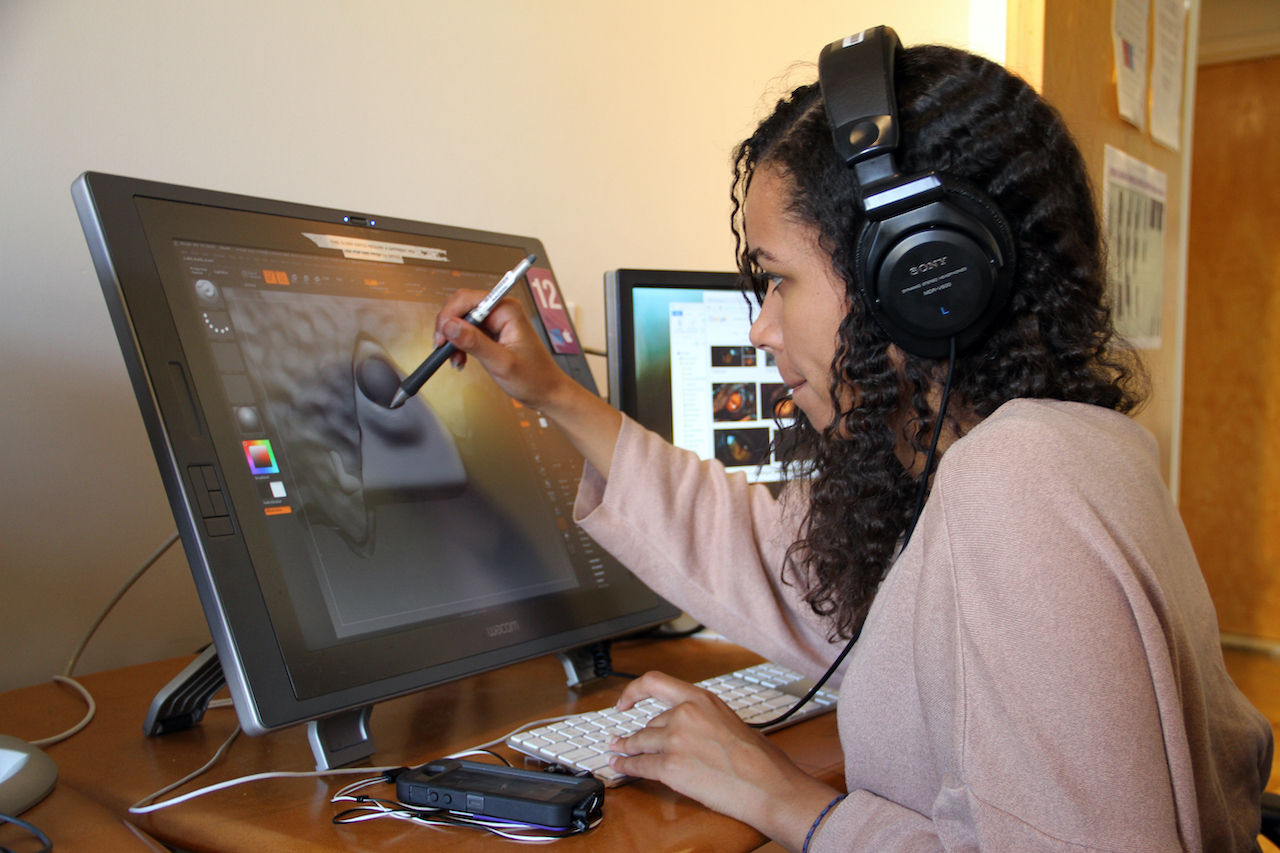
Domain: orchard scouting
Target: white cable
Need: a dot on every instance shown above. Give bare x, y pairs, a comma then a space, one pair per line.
147, 804
142, 806
371, 808
66, 678
344, 794
147, 800
511, 830
159, 552
93, 708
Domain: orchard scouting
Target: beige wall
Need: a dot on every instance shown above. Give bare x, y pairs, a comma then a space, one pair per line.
602, 128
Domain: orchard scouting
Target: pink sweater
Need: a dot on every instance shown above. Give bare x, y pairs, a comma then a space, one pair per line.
1040, 669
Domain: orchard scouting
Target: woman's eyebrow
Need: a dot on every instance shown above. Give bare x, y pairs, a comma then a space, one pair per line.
756, 254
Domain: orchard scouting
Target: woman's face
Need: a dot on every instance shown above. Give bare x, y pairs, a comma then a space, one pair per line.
805, 301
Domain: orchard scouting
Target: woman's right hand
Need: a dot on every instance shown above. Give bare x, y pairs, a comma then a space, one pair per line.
506, 344
509, 348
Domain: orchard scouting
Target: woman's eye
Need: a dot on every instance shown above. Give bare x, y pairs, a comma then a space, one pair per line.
765, 283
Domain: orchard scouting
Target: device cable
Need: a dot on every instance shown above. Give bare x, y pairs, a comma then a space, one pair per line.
65, 677
148, 804
911, 528
373, 808
40, 836
159, 552
602, 660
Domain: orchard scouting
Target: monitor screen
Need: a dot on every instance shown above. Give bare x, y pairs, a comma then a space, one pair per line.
681, 363
344, 551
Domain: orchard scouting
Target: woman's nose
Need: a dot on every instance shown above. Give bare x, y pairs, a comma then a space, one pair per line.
764, 330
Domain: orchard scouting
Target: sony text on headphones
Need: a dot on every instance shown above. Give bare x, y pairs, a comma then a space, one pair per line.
935, 257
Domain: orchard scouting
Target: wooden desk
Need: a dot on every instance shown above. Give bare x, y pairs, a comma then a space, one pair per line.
77, 824
111, 765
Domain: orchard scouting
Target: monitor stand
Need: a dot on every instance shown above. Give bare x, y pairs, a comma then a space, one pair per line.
579, 665
181, 703
592, 662
336, 741
341, 739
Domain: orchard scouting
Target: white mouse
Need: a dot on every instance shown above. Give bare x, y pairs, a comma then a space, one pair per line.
27, 775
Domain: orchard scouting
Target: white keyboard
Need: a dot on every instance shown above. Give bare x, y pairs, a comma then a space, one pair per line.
757, 694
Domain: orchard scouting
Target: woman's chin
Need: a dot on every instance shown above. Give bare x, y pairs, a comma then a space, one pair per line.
818, 412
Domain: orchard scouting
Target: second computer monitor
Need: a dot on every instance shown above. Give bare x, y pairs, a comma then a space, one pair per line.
681, 363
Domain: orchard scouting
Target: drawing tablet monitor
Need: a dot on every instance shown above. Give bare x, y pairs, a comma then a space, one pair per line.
681, 363
345, 552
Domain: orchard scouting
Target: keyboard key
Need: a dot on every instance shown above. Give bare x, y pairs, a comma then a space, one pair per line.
579, 754
594, 763
609, 776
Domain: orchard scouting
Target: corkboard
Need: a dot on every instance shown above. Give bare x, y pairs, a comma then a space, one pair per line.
1079, 79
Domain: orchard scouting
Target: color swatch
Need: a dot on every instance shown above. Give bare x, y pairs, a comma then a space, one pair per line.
262, 460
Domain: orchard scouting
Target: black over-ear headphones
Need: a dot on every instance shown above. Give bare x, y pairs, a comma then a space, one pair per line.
935, 257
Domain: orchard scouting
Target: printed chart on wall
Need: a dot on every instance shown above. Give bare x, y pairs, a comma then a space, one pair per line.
1135, 209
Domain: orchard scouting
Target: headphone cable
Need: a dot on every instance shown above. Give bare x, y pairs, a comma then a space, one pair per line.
915, 517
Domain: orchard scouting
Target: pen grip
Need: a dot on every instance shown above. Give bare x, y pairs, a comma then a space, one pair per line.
414, 381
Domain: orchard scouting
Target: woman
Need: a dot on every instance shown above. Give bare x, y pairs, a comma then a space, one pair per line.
1038, 668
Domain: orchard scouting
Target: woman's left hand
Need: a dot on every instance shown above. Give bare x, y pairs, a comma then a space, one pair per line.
701, 749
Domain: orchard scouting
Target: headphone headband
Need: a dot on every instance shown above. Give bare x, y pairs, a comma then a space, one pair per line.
862, 109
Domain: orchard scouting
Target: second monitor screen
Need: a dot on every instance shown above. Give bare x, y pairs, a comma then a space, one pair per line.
700, 383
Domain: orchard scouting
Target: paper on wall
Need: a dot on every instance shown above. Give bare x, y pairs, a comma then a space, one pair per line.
1129, 38
1135, 195
1166, 72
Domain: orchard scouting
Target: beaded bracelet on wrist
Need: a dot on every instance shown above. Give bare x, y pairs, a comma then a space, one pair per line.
831, 805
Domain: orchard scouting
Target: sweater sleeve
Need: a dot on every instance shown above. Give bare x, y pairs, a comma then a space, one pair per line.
708, 541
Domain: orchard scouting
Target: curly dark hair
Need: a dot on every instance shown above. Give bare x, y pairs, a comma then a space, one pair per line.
966, 117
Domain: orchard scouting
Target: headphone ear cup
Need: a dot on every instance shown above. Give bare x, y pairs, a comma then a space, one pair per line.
937, 271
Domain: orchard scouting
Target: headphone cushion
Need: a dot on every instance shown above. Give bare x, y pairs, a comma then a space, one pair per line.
937, 271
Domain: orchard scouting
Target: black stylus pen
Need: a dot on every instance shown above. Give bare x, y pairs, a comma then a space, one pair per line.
414, 381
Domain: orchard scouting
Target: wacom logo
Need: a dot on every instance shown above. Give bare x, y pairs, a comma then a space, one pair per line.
502, 628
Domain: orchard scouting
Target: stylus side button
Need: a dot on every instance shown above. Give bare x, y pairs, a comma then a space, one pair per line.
188, 402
